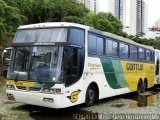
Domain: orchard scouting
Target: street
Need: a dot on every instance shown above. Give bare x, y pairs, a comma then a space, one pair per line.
148, 103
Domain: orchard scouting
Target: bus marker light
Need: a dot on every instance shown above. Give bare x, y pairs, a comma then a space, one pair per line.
10, 97
10, 87
67, 91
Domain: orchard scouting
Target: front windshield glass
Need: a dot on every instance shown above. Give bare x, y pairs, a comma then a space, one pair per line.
39, 35
36, 63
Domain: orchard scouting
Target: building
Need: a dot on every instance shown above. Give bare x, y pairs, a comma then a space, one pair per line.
120, 10
92, 5
156, 26
138, 17
152, 34
80, 1
116, 7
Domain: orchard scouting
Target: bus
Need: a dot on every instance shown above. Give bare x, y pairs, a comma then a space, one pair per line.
157, 67
61, 64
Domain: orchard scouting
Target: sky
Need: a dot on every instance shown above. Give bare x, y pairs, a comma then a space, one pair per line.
153, 10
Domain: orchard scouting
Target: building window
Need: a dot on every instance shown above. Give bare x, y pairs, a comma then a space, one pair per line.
123, 50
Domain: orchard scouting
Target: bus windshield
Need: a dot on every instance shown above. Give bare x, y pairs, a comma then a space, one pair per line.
39, 35
38, 63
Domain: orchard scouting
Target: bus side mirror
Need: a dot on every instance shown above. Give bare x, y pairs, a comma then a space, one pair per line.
4, 58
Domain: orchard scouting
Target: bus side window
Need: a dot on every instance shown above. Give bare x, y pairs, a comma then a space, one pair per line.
124, 49
157, 63
71, 66
133, 52
148, 57
92, 44
141, 53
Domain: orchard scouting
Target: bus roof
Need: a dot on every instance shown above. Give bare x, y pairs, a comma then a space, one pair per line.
53, 24
67, 24
119, 38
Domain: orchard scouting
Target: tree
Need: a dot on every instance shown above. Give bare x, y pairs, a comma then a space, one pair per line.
156, 43
50, 10
10, 19
105, 22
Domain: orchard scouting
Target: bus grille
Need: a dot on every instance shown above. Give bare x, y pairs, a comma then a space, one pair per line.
21, 87
28, 88
34, 89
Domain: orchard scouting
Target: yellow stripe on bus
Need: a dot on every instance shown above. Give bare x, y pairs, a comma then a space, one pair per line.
21, 83
133, 71
94, 68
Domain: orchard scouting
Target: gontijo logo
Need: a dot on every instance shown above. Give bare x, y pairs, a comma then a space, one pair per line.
74, 96
134, 66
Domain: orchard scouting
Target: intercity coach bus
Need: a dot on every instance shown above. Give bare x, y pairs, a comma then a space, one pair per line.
157, 67
59, 65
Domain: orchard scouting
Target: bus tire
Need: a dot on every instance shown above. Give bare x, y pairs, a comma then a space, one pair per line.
90, 95
139, 87
144, 86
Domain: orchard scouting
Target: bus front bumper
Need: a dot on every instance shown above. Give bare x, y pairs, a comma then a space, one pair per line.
34, 98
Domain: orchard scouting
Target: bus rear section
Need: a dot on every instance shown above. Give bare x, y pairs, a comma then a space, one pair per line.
119, 65
157, 67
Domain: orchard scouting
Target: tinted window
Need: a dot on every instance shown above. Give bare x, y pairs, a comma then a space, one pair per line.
148, 55
141, 54
39, 35
157, 62
152, 56
99, 46
92, 44
76, 36
115, 48
133, 52
71, 66
111, 47
123, 50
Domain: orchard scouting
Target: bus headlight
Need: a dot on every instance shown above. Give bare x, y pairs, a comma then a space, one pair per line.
10, 87
52, 91
55, 90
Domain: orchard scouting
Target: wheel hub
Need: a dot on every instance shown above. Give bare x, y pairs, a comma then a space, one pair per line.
91, 94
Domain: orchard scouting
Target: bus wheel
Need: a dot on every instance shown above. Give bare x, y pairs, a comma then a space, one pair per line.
144, 86
90, 96
139, 87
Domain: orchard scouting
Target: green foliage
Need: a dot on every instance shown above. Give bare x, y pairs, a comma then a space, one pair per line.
156, 43
150, 42
14, 13
105, 22
50, 10
10, 19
